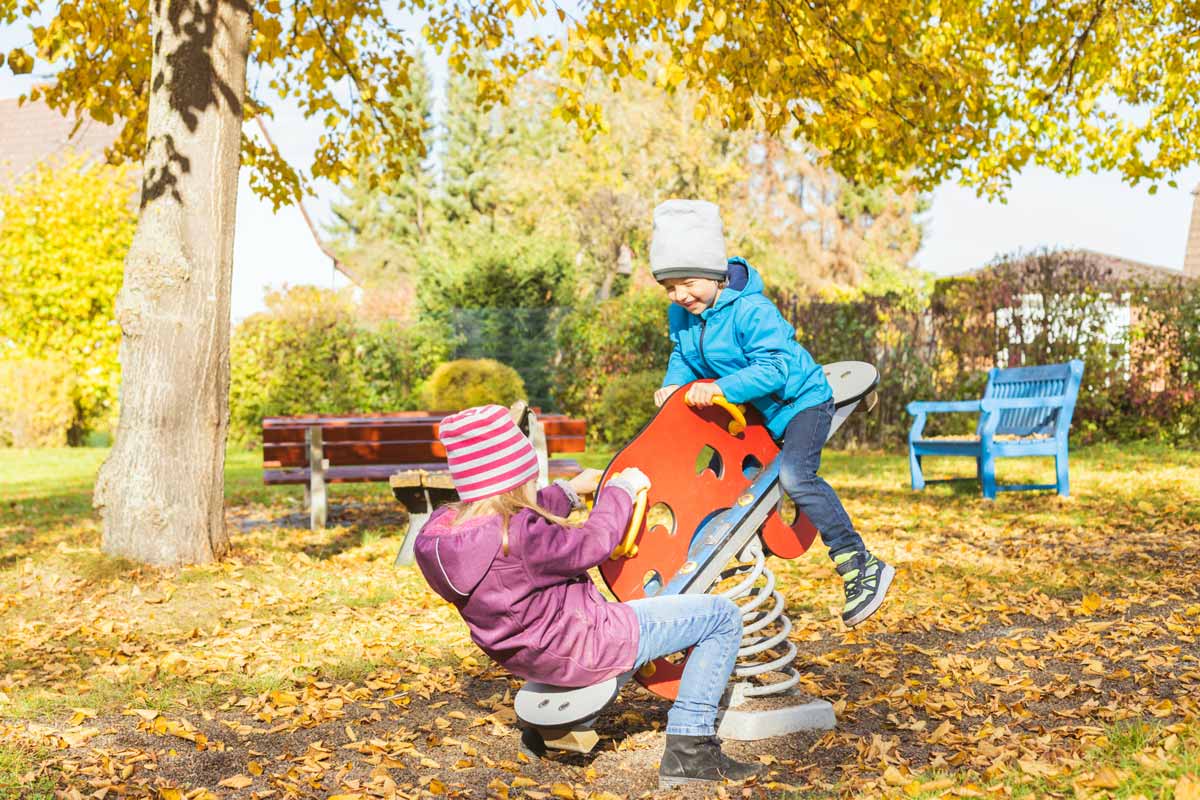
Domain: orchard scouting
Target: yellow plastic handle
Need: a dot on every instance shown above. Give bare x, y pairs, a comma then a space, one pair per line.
627, 548
737, 421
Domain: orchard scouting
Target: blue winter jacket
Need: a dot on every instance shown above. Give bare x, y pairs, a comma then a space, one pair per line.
746, 344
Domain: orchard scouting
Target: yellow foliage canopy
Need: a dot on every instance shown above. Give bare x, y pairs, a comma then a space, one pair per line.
928, 89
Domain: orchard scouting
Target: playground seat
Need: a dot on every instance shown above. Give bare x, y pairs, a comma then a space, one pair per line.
1025, 411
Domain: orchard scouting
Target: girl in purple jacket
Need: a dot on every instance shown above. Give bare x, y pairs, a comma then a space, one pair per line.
516, 570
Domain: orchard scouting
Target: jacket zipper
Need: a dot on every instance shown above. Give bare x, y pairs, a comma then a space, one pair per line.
703, 330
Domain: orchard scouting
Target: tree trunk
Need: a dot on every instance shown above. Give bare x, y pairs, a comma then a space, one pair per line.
161, 491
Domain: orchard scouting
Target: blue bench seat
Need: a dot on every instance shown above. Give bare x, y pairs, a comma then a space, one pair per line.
1025, 411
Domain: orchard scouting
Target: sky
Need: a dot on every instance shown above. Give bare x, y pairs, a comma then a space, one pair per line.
962, 231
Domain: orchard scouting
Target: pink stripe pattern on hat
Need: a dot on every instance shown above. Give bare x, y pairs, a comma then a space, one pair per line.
486, 452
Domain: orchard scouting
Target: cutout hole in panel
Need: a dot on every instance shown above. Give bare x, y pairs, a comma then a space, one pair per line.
751, 466
708, 458
543, 704
652, 583
660, 515
787, 511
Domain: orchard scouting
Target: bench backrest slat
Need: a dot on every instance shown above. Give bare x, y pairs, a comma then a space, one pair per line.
387, 439
1050, 380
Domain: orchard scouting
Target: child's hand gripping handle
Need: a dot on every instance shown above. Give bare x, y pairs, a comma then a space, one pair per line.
627, 548
638, 481
737, 421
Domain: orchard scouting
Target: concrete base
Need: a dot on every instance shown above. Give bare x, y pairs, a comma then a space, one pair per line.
748, 726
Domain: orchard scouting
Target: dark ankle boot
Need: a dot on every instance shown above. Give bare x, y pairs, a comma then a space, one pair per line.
689, 759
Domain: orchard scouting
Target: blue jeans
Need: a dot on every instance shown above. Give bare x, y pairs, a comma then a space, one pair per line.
799, 461
712, 627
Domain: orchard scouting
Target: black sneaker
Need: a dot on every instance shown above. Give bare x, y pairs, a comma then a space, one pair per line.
867, 580
694, 759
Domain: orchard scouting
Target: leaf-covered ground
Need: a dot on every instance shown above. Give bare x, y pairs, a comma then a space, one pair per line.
1033, 646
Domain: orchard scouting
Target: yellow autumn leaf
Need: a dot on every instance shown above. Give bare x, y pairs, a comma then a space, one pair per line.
893, 777
1188, 787
437, 787
1104, 778
563, 791
1090, 603
236, 782
254, 768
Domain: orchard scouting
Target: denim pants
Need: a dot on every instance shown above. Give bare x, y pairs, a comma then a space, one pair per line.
712, 627
799, 461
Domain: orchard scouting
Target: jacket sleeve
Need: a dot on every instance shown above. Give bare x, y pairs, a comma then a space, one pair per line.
555, 500
679, 371
565, 552
767, 343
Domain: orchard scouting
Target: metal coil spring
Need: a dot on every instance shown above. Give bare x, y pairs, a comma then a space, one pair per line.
755, 619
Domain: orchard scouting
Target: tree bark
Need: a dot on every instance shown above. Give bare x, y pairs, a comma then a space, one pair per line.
160, 494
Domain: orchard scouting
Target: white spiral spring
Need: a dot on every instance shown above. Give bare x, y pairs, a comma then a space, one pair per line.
755, 620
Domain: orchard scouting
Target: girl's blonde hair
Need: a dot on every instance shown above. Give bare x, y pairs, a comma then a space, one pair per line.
508, 505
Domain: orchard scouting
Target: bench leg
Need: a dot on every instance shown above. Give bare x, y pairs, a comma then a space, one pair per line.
1062, 468
914, 470
987, 469
417, 518
317, 509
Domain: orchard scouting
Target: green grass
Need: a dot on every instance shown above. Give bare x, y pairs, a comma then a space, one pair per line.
14, 764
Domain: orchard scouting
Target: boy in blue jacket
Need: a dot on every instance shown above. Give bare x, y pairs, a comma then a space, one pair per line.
723, 327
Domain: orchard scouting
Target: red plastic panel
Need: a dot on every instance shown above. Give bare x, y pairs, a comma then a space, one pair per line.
669, 450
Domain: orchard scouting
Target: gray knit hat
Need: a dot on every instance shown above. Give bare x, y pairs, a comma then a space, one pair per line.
688, 241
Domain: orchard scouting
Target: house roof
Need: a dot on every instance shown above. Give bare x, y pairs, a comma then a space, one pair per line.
33, 131
1121, 269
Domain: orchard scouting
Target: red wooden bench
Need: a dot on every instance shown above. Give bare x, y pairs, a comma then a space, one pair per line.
400, 448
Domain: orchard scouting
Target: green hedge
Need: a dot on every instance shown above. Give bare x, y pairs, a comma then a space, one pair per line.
307, 355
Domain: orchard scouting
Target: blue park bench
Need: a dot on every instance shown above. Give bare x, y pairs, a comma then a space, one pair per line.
1025, 411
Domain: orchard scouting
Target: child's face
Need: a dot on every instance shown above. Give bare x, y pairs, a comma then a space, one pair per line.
694, 294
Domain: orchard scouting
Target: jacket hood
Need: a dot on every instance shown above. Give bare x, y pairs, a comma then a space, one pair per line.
455, 559
744, 280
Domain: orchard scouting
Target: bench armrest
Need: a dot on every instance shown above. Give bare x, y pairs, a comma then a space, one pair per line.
998, 404
937, 406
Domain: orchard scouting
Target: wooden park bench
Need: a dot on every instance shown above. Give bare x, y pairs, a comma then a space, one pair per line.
1025, 411
399, 448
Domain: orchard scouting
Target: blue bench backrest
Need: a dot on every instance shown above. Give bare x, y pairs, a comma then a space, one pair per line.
1044, 381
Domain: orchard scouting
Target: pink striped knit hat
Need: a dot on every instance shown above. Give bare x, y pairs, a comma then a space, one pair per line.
487, 453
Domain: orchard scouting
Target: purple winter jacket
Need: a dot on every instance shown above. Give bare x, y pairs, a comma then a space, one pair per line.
535, 610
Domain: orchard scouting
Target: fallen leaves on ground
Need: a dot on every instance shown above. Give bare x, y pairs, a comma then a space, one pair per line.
1034, 640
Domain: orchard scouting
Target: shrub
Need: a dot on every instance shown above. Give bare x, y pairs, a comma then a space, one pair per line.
626, 405
600, 341
466, 382
36, 406
501, 297
394, 361
66, 228
306, 354
295, 358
